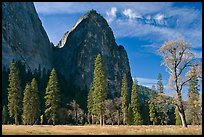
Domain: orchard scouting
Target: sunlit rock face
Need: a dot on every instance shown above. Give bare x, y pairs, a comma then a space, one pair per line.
77, 51
23, 36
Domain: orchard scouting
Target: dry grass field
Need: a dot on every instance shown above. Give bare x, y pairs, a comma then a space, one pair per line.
99, 130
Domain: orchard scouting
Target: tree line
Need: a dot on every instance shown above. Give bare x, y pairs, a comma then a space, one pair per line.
43, 102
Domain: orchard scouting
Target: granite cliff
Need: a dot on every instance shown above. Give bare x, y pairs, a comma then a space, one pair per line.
76, 52
24, 38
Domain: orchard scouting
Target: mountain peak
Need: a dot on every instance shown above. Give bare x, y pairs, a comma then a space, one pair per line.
91, 13
85, 24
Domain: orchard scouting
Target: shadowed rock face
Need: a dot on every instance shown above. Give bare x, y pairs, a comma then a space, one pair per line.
77, 51
23, 36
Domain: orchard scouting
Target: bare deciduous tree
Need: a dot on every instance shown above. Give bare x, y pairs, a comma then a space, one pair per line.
177, 57
76, 112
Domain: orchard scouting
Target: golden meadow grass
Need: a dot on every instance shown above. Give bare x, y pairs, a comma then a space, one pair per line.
100, 130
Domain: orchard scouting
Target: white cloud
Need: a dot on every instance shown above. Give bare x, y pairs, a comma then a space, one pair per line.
80, 7
159, 17
130, 14
111, 14
187, 22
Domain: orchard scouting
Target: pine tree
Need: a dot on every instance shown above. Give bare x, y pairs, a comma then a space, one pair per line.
14, 93
31, 106
90, 103
52, 98
27, 106
100, 89
178, 118
35, 101
160, 87
124, 95
135, 103
152, 114
4, 115
130, 115
193, 97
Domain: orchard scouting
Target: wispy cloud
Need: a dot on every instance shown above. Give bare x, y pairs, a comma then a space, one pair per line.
159, 17
147, 82
111, 14
131, 14
153, 21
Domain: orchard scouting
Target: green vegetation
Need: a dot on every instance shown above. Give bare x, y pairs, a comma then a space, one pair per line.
124, 96
31, 109
135, 104
99, 89
14, 93
49, 98
160, 86
52, 98
4, 115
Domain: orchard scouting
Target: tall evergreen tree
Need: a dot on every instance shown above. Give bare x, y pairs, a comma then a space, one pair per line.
135, 103
193, 97
130, 117
124, 96
31, 106
100, 89
4, 115
160, 87
27, 106
90, 103
14, 93
152, 112
35, 101
52, 98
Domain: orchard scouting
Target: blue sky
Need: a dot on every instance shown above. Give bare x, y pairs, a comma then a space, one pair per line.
141, 27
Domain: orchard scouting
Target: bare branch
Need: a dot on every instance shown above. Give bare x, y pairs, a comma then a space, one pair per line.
184, 83
180, 59
181, 70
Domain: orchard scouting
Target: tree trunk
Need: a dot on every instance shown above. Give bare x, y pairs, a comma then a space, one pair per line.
16, 120
76, 117
92, 119
101, 119
53, 122
124, 119
118, 118
88, 116
182, 115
